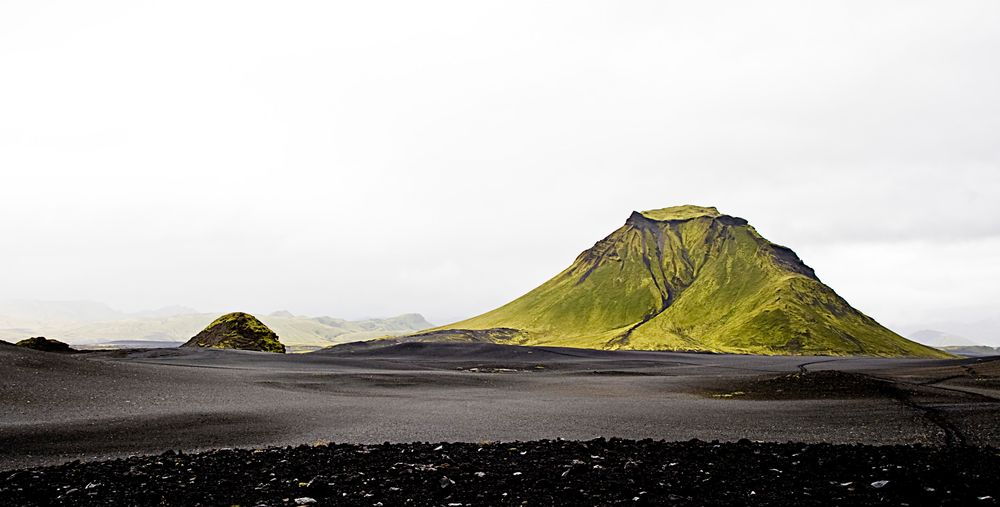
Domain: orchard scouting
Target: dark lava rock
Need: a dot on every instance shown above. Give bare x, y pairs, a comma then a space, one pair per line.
546, 472
237, 330
45, 345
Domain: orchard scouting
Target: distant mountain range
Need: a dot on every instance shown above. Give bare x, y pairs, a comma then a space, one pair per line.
686, 278
980, 331
972, 350
953, 343
939, 339
32, 313
94, 324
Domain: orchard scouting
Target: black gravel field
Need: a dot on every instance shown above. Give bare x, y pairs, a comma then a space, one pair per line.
544, 472
90, 428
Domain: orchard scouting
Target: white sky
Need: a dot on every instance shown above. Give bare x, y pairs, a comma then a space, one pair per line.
373, 158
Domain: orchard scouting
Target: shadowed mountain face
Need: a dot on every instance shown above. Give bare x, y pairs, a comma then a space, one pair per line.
237, 331
691, 278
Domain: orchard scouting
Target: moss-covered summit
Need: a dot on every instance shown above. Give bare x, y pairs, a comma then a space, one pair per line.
237, 330
686, 212
692, 278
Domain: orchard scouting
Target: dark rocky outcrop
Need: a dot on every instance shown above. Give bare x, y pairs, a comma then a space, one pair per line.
240, 331
45, 345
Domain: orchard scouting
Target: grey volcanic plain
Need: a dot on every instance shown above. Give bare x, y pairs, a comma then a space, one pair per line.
100, 405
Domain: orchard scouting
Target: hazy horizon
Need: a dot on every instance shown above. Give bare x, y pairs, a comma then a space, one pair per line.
445, 158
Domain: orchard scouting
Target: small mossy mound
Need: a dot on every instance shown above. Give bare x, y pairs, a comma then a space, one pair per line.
237, 330
45, 345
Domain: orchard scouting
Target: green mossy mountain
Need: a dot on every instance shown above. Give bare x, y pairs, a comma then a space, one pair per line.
237, 330
691, 278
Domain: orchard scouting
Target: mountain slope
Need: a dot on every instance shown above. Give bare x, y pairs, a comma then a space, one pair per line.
691, 278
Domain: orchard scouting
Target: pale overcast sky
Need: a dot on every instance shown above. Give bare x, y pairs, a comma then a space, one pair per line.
373, 158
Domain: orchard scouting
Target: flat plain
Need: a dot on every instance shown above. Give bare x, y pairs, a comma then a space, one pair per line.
113, 404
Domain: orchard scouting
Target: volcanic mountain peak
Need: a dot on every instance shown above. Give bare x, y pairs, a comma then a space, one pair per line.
691, 278
237, 330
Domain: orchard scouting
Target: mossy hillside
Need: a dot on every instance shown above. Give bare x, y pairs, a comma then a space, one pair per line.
240, 331
611, 286
779, 314
691, 278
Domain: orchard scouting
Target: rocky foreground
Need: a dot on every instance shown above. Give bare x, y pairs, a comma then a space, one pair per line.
596, 472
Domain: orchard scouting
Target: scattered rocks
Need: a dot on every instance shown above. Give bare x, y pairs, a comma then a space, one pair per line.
603, 472
489, 369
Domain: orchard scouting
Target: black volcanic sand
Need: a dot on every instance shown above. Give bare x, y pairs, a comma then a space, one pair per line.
596, 472
109, 404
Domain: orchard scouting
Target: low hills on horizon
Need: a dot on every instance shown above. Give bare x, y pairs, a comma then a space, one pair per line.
91, 325
686, 278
